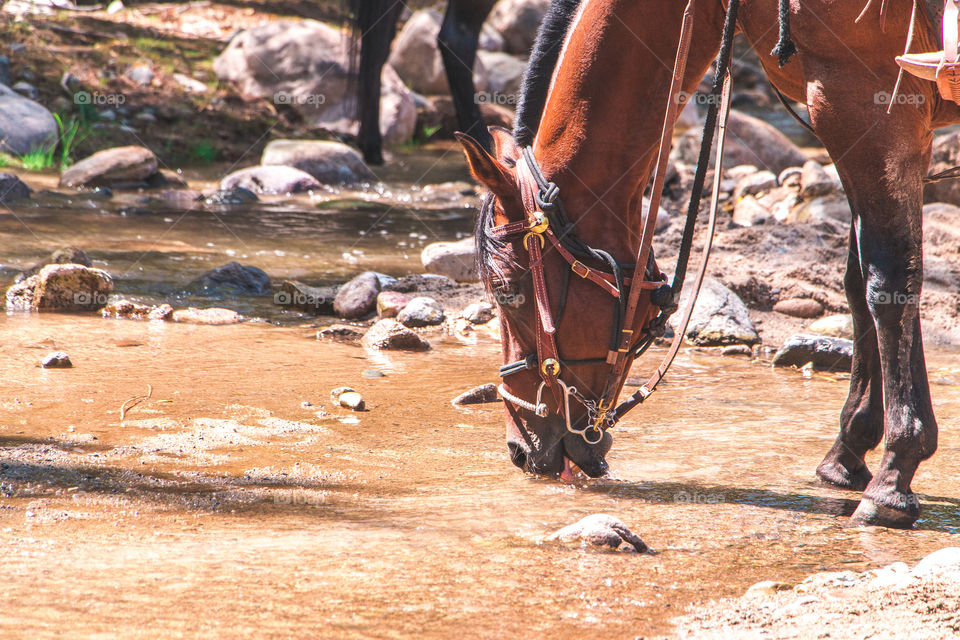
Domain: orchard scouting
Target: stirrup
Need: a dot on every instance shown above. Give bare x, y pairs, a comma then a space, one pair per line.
941, 67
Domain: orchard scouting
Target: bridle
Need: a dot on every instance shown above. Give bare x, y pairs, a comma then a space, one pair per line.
546, 227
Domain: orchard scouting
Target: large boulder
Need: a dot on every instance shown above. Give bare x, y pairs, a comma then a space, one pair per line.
416, 57
750, 141
456, 260
112, 167
232, 278
25, 125
329, 162
62, 287
517, 21
275, 180
305, 65
719, 317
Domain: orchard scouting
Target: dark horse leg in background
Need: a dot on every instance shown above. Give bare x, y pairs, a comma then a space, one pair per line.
376, 21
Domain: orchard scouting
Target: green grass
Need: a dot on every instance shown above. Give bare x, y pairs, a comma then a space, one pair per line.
6, 160
204, 152
46, 157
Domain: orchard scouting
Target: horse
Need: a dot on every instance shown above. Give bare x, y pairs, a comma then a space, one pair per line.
594, 142
376, 22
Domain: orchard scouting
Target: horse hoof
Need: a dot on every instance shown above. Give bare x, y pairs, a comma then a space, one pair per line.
837, 475
869, 513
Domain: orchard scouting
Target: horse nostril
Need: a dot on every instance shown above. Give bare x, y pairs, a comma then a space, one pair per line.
517, 455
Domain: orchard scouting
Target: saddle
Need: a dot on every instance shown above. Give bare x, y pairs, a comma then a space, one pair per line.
941, 67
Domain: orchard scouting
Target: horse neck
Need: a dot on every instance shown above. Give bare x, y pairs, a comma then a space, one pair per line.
600, 132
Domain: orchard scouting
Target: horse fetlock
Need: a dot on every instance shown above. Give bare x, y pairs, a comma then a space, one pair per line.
843, 468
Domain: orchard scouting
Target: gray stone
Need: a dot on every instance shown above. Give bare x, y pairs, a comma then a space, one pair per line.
305, 65
56, 360
790, 177
835, 326
755, 183
719, 317
296, 295
328, 162
748, 212
273, 180
234, 195
62, 287
340, 333
815, 182
141, 74
600, 530
112, 167
232, 278
422, 311
504, 72
456, 260
12, 188
831, 354
478, 313
26, 89
25, 125
358, 297
517, 21
388, 334
478, 395
826, 208
416, 57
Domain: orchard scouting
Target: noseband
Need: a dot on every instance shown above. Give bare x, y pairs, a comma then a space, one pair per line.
546, 223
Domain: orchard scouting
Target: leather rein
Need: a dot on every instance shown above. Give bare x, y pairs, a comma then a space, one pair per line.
546, 227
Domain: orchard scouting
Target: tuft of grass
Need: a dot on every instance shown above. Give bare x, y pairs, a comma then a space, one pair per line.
204, 152
44, 158
6, 160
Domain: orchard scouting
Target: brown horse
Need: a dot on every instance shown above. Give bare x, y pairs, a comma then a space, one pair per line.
597, 140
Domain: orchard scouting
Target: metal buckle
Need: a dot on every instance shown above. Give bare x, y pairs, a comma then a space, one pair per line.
586, 269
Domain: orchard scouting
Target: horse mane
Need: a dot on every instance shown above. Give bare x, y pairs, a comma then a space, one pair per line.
533, 99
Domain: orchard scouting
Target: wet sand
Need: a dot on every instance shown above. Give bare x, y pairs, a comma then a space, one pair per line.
223, 506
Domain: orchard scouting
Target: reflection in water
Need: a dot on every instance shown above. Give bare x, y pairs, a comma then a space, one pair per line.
235, 499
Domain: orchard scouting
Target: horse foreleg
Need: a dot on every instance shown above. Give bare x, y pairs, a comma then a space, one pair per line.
377, 23
881, 159
458, 40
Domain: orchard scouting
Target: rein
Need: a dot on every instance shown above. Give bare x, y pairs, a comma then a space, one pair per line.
546, 222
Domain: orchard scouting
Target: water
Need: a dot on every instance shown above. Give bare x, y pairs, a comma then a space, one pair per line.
238, 500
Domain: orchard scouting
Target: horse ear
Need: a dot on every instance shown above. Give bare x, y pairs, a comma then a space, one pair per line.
487, 170
503, 143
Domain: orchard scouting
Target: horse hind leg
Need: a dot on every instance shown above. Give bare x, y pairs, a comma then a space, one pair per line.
881, 159
861, 420
376, 22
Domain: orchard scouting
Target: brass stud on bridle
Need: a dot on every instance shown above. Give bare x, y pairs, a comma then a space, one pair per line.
550, 367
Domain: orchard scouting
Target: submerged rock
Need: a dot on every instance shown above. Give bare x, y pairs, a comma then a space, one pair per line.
296, 295
272, 180
422, 311
340, 333
64, 287
233, 195
389, 334
719, 317
329, 162
600, 530
825, 353
56, 360
128, 309
112, 167
64, 255
212, 315
13, 188
358, 297
478, 395
232, 278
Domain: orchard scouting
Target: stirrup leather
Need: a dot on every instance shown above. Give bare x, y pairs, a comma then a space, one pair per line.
941, 67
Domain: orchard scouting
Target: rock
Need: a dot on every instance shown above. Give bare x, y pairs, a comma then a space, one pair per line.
416, 57
737, 350
748, 212
212, 315
719, 317
829, 208
741, 171
830, 354
161, 312
755, 183
56, 360
790, 177
5, 69
125, 309
517, 21
600, 530
348, 398
141, 74
305, 65
274, 180
63, 255
939, 563
329, 162
892, 576
390, 303
799, 307
62, 287
183, 199
815, 182
504, 72
340, 333
190, 84
26, 89
456, 260
478, 395
478, 313
764, 589
296, 295
233, 279
388, 334
25, 125
422, 311
358, 297
112, 167
835, 326
234, 195
12, 188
